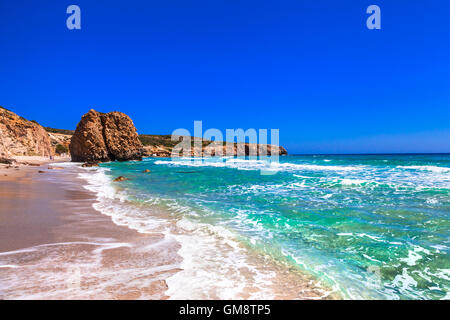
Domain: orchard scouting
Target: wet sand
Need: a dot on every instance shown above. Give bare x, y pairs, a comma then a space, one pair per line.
54, 245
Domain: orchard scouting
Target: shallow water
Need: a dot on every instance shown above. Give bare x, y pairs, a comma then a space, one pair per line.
374, 226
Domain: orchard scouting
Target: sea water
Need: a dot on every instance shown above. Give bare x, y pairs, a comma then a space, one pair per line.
366, 226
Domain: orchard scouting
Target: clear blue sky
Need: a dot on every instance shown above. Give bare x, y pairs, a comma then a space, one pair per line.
310, 68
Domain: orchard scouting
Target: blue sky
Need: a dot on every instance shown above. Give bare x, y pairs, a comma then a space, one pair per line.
309, 68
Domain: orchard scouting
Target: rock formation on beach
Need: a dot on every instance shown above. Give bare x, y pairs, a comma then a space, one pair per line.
121, 178
105, 137
20, 137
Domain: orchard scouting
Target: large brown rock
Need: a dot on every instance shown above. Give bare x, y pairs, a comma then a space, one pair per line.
102, 137
87, 143
120, 137
20, 137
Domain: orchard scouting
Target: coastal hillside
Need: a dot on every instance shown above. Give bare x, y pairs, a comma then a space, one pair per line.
162, 146
21, 137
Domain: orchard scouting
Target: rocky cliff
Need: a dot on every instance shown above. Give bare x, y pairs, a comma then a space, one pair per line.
59, 139
241, 149
20, 137
102, 137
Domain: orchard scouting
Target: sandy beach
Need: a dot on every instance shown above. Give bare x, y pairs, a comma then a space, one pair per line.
54, 245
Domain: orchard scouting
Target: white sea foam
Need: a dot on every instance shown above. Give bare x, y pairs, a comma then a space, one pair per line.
63, 270
435, 169
404, 281
242, 164
432, 201
362, 235
358, 290
210, 252
9, 266
112, 202
213, 264
350, 182
278, 188
414, 256
313, 167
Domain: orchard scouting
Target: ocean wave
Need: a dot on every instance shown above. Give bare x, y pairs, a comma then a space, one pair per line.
49, 274
351, 182
215, 266
208, 252
243, 164
414, 256
434, 169
218, 221
114, 203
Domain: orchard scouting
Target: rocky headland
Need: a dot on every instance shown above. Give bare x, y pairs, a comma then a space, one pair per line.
162, 146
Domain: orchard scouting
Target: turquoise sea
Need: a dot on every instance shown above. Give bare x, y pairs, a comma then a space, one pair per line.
366, 226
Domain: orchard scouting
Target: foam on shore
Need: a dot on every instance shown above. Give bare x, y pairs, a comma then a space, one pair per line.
214, 263
87, 256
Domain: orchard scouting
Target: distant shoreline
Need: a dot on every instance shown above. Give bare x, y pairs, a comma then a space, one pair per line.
369, 154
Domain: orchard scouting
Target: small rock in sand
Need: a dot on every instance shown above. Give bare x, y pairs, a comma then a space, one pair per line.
89, 164
40, 171
7, 161
55, 168
30, 164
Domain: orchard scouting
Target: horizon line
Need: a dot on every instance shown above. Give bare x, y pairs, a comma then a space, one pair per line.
369, 154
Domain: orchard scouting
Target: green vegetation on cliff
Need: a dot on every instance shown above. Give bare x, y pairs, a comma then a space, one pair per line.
157, 140
61, 131
60, 149
164, 140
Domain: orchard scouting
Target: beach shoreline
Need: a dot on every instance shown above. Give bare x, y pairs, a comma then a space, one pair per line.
55, 245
